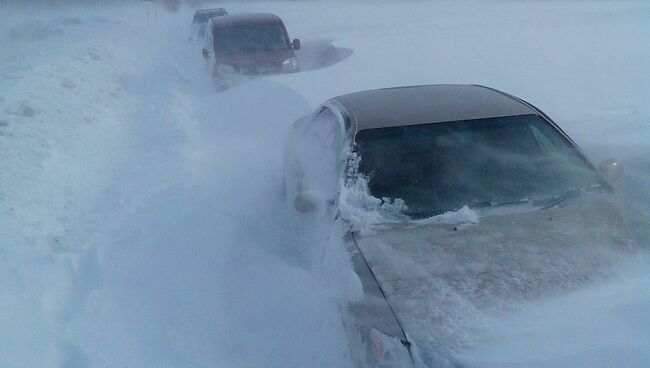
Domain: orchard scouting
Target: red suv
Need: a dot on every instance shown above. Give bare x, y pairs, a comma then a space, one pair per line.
253, 43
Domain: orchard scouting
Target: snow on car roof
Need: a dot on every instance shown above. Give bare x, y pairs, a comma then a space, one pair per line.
246, 18
213, 10
202, 16
414, 105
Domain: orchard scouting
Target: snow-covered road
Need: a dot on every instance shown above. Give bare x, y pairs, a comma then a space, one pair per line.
140, 223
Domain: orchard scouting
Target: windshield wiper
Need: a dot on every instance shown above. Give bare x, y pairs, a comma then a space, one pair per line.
486, 204
570, 194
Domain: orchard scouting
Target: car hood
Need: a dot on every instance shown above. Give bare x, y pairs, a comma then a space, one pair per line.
443, 280
256, 62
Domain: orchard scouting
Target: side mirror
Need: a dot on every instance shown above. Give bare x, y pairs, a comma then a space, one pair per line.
305, 203
205, 53
296, 44
611, 169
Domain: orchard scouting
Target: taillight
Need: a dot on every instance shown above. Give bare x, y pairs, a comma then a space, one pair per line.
378, 347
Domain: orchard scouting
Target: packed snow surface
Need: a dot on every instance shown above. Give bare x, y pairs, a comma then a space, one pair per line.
140, 215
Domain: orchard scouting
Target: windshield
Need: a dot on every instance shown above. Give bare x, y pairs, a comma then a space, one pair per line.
441, 167
252, 38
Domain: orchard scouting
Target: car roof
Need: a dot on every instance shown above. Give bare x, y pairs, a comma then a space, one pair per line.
246, 19
213, 10
203, 16
415, 105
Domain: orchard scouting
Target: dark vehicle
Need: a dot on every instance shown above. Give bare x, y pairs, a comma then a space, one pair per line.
202, 18
475, 200
255, 43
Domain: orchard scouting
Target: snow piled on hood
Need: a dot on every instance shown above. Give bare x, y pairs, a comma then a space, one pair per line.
600, 326
463, 216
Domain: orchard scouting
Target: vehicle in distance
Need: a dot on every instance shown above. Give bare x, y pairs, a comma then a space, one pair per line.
462, 202
252, 43
202, 18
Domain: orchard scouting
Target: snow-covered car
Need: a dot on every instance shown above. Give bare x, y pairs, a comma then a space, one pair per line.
461, 201
250, 43
201, 19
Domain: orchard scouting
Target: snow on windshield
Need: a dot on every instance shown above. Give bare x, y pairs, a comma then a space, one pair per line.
140, 210
441, 167
364, 211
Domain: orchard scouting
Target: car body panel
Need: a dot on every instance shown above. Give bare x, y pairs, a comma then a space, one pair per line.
371, 318
372, 309
439, 277
255, 63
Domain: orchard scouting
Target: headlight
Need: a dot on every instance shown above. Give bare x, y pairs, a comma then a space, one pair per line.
387, 352
290, 65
